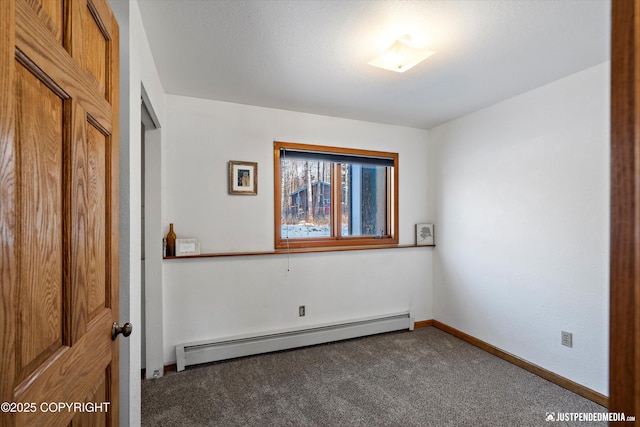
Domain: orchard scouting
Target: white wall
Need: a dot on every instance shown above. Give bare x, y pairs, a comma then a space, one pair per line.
136, 68
217, 297
522, 191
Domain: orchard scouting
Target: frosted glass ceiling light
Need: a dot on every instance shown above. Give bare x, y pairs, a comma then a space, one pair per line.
401, 56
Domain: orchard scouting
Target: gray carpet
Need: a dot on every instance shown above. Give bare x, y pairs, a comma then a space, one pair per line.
421, 378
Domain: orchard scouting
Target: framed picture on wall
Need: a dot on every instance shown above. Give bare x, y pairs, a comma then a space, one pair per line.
243, 178
424, 234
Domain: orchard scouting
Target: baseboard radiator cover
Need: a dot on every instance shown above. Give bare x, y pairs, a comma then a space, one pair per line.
195, 353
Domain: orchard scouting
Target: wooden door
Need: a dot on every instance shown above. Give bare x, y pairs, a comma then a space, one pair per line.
58, 212
624, 324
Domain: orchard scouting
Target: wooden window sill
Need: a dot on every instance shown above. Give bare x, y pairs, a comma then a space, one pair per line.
299, 251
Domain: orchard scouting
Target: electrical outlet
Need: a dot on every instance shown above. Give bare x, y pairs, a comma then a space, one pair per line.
301, 311
567, 339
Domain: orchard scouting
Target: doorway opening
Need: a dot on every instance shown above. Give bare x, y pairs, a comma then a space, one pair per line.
151, 240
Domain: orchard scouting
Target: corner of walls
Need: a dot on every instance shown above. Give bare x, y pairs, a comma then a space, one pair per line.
522, 191
432, 214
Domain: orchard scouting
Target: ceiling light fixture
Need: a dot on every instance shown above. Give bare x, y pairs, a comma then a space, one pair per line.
401, 56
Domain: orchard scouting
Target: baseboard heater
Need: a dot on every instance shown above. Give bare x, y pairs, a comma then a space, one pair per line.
194, 353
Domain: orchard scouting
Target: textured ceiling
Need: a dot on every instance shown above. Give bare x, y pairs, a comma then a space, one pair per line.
311, 55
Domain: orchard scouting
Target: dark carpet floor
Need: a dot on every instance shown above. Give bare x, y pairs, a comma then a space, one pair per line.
421, 378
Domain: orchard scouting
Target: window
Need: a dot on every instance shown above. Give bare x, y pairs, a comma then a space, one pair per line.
327, 196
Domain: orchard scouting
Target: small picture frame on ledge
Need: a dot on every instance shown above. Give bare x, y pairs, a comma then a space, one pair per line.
185, 247
424, 234
243, 178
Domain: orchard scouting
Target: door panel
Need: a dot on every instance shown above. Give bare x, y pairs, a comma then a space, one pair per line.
69, 377
97, 293
39, 128
51, 13
58, 216
96, 52
34, 44
98, 418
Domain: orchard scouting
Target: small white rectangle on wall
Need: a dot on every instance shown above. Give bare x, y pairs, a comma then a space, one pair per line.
424, 234
186, 247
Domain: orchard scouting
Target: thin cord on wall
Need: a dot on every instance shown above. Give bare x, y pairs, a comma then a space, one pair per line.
288, 253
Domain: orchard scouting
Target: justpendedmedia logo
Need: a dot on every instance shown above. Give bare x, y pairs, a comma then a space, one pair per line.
589, 416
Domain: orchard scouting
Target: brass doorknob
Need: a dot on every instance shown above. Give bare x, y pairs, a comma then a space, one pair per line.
125, 330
